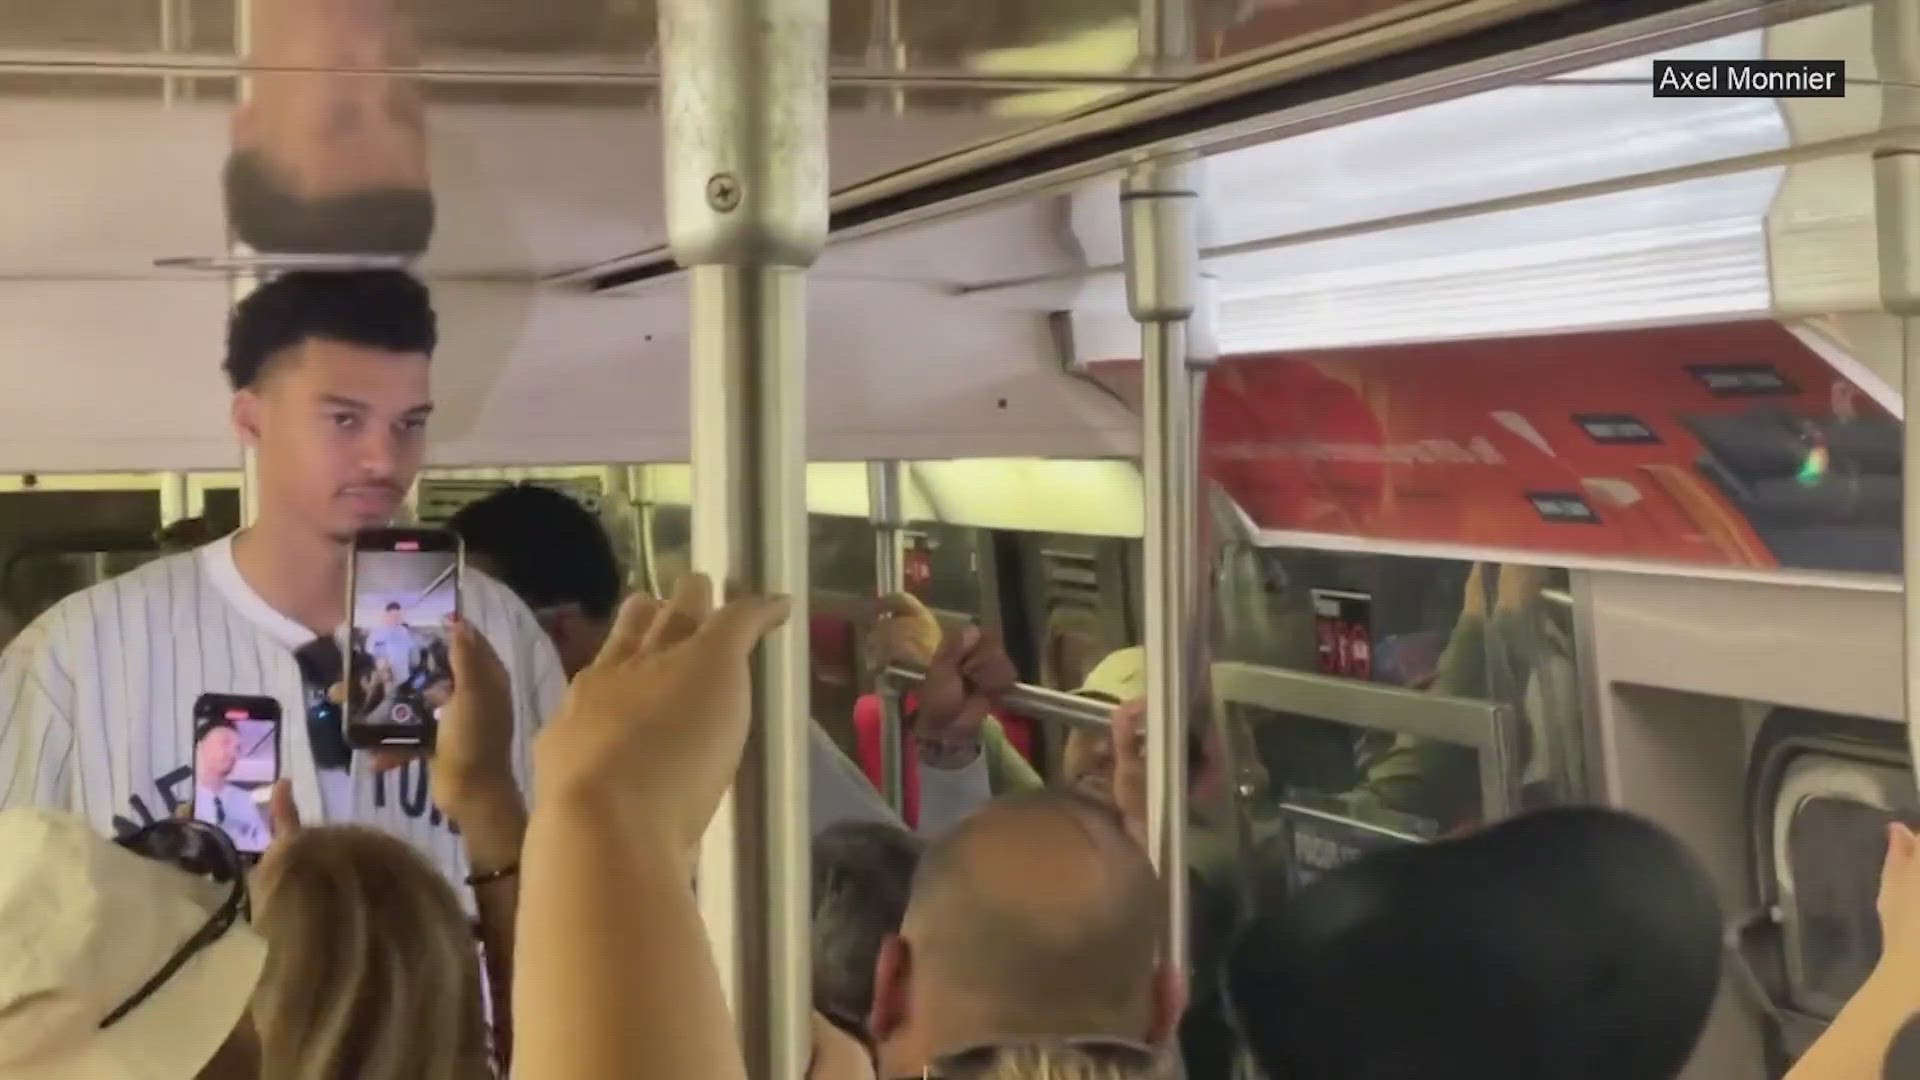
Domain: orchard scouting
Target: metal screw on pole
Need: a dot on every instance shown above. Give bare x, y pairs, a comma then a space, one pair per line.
723, 192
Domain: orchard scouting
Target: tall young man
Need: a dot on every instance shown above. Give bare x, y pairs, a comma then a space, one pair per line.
331, 389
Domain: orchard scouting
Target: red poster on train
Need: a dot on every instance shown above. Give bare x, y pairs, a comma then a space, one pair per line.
1732, 444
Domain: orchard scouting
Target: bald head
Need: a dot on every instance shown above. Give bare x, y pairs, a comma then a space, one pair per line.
1042, 916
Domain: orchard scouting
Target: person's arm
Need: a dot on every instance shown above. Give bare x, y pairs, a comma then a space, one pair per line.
36, 728
948, 795
493, 830
954, 783
617, 979
476, 786
1855, 1045
603, 993
1009, 768
969, 673
837, 790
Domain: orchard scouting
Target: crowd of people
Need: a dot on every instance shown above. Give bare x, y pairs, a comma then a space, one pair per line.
1026, 941
421, 916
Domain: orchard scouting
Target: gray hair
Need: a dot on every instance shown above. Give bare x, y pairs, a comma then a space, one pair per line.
1066, 1063
862, 878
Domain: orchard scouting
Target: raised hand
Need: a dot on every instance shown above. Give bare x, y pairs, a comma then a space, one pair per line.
655, 725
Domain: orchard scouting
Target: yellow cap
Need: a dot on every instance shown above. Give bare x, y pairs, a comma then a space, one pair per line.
1122, 676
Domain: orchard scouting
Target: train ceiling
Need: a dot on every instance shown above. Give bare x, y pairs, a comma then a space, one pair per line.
117, 117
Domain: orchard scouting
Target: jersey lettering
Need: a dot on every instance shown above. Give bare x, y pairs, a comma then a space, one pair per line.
142, 816
415, 793
166, 784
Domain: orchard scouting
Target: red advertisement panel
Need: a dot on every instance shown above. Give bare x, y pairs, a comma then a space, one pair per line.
1731, 444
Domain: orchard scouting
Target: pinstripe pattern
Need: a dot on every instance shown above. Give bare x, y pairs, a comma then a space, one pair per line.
96, 698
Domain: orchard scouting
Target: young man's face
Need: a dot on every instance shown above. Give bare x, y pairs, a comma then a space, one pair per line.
393, 616
214, 758
340, 430
1087, 762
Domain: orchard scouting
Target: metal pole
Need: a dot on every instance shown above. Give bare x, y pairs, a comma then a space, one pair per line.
241, 283
887, 51
1039, 702
1896, 174
1166, 35
886, 510
1162, 256
173, 497
745, 101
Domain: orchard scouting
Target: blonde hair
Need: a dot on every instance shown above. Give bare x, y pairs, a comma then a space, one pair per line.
372, 971
1064, 1063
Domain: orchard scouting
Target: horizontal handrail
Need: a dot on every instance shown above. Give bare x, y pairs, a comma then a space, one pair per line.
1035, 702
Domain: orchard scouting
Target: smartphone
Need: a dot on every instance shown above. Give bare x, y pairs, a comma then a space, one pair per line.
403, 589
236, 759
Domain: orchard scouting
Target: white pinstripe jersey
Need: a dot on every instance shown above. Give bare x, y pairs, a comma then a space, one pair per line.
96, 697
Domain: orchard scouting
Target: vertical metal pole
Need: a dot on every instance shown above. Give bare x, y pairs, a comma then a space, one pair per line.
173, 497
887, 51
886, 510
745, 101
1166, 34
1896, 173
1162, 261
240, 284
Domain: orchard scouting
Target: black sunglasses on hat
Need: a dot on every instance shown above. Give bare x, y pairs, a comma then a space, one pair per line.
203, 851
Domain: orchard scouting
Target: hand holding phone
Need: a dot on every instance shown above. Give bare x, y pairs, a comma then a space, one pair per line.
236, 760
403, 591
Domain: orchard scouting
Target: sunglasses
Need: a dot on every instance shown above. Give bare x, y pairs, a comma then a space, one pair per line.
203, 851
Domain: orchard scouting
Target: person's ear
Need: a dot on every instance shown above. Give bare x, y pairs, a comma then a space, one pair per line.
246, 415
1169, 1003
557, 622
892, 972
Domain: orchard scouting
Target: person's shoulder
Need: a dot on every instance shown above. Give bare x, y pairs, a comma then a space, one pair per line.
509, 625
493, 607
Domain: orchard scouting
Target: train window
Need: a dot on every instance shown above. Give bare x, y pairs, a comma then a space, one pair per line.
1828, 839
1489, 632
1834, 852
954, 560
37, 575
669, 546
1398, 783
221, 509
841, 555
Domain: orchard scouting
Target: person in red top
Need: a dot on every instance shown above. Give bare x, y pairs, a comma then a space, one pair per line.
955, 754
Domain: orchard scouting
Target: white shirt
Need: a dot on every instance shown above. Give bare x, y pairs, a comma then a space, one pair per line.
395, 645
840, 792
234, 810
96, 699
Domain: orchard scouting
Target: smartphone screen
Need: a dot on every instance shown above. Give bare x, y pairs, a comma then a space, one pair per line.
236, 759
403, 590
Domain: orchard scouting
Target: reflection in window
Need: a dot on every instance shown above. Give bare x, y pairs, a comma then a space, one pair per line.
1835, 848
841, 555
954, 555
